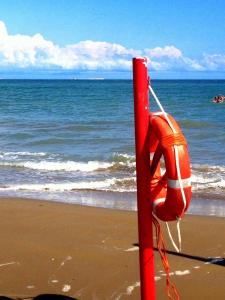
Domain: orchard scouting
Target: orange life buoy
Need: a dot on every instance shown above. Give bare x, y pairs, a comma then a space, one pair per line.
171, 192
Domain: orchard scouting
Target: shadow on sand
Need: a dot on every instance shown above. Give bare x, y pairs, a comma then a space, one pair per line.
220, 261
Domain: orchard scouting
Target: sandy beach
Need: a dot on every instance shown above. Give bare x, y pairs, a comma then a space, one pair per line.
90, 253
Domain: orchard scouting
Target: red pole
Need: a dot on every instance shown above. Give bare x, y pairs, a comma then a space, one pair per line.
141, 115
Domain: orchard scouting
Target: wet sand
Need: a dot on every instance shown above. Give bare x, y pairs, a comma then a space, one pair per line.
90, 253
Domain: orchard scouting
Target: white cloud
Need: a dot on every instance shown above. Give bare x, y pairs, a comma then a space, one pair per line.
35, 51
214, 62
167, 51
192, 64
24, 51
3, 30
171, 58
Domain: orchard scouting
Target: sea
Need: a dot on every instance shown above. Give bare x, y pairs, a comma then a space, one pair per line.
73, 140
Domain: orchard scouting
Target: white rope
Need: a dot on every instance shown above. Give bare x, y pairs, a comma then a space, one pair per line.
178, 172
179, 177
162, 109
171, 238
179, 233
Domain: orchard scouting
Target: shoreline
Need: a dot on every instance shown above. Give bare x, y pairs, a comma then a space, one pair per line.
90, 253
127, 202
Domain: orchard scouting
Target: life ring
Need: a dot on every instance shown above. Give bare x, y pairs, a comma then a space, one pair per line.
171, 192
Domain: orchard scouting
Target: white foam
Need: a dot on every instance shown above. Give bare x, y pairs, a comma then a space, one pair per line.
204, 177
66, 288
157, 278
109, 184
9, 263
62, 187
206, 167
26, 160
65, 260
182, 273
69, 166
130, 288
30, 287
196, 267
54, 281
208, 177
170, 274
132, 249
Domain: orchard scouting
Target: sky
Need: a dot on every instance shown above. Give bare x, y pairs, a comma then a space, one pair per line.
86, 38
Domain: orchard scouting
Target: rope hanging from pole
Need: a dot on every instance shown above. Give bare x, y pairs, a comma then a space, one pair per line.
162, 252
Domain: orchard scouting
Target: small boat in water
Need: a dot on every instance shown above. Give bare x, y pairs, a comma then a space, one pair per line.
218, 99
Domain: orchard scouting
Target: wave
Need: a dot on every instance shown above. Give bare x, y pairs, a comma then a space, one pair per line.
208, 168
122, 162
118, 172
53, 162
110, 184
126, 184
68, 166
68, 186
199, 185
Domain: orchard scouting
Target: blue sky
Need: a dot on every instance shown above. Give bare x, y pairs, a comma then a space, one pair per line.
86, 38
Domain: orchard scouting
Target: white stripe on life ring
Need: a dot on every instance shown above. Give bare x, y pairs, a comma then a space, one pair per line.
175, 184
157, 201
152, 155
159, 113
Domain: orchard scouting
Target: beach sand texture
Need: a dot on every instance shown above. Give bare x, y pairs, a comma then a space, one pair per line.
90, 253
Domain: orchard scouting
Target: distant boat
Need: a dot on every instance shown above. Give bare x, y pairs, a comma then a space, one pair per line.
218, 99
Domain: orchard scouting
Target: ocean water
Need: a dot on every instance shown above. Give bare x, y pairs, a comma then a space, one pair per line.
73, 140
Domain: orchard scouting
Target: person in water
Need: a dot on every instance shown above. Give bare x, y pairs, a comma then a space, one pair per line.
218, 99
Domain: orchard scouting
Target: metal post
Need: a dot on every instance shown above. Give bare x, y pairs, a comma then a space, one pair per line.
141, 112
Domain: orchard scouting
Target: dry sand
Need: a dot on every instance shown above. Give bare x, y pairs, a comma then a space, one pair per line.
89, 253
